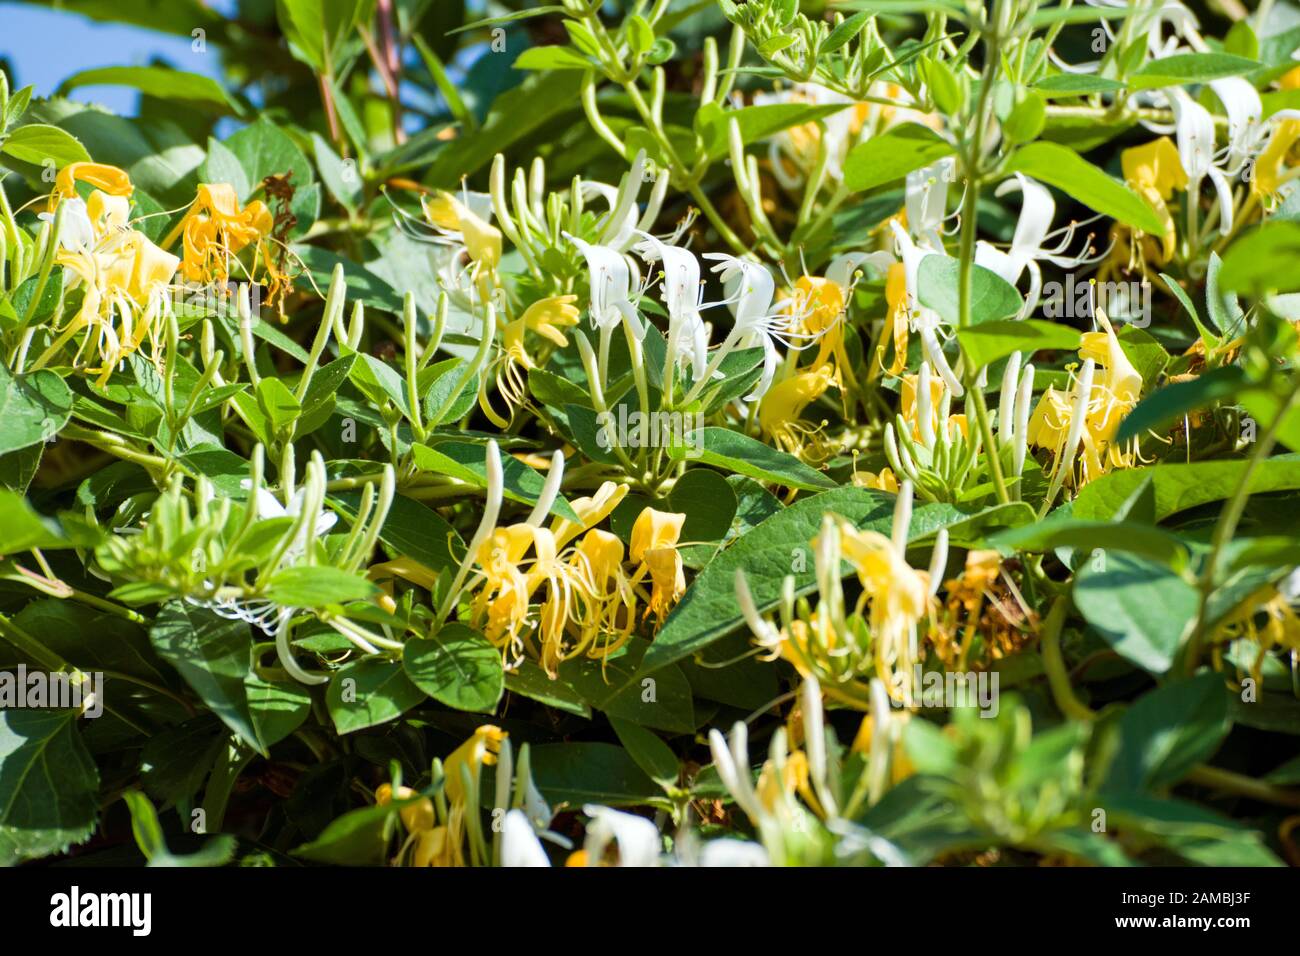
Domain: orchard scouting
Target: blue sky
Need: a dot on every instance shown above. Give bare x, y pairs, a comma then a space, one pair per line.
46, 45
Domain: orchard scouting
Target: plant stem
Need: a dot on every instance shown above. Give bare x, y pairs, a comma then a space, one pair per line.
974, 160
1058, 678
1226, 527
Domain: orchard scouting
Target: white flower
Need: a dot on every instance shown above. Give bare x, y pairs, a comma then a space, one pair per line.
926, 201
732, 853
1033, 228
622, 223
750, 289
925, 322
636, 837
76, 232
1194, 129
519, 843
610, 277
269, 506
682, 294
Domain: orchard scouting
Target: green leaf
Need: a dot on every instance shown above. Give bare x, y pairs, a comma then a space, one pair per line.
1177, 487
1263, 260
192, 89
541, 99
176, 761
1221, 306
1185, 68
1167, 405
49, 785
1076, 84
457, 667
1065, 169
640, 35
845, 32
529, 680
541, 11
341, 176
1208, 337
306, 586
556, 57
892, 155
149, 838
436, 384
318, 29
278, 708
22, 528
369, 692
1168, 732
223, 166
1087, 536
61, 626
1027, 119
465, 461
1199, 836
1140, 608
708, 502
650, 753
992, 297
277, 403
756, 122
39, 144
381, 382
989, 341
575, 773
618, 688
214, 656
358, 838
742, 455
263, 149
33, 408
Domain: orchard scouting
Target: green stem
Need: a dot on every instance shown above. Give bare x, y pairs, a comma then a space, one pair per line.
1226, 527
1226, 781
1058, 678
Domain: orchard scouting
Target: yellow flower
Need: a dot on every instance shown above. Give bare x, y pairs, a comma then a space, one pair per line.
124, 281
898, 597
907, 395
415, 816
1050, 423
1156, 166
1269, 167
1155, 171
482, 239
215, 229
780, 409
608, 601
1115, 390
896, 325
438, 835
591, 512
108, 179
884, 481
546, 317
654, 545
820, 303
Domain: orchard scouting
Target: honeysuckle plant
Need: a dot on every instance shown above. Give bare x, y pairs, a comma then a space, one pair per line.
742, 433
